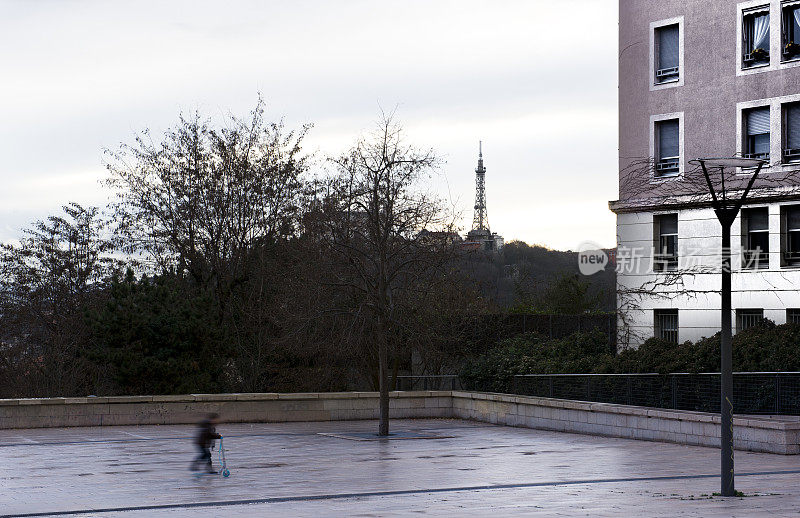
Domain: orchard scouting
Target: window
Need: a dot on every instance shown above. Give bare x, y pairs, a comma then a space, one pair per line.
665, 227
755, 34
793, 316
667, 148
790, 235
755, 238
790, 37
666, 324
666, 54
756, 143
747, 318
791, 132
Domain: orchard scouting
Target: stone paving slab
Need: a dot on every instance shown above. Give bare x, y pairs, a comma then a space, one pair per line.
290, 469
393, 436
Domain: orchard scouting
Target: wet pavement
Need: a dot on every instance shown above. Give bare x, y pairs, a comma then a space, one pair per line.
312, 469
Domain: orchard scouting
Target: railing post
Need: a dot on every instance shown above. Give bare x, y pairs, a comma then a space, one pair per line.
674, 387
630, 389
550, 380
777, 394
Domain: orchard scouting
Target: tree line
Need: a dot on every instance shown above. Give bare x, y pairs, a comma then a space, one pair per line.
232, 260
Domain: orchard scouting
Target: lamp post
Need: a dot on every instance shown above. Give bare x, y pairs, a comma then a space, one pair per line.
727, 208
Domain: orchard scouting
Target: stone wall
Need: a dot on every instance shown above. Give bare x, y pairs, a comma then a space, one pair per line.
751, 433
765, 434
188, 409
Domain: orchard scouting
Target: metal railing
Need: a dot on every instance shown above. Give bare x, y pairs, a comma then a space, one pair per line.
771, 393
431, 382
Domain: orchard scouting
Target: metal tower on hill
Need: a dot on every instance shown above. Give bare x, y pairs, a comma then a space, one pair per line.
480, 236
480, 220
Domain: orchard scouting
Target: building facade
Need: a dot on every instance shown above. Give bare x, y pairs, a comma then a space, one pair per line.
706, 78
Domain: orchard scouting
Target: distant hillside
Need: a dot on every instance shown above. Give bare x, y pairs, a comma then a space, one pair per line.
531, 275
545, 277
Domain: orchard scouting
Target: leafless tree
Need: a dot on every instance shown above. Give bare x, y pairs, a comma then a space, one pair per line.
384, 240
202, 199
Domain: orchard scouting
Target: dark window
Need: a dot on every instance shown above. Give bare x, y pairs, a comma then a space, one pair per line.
755, 238
746, 318
790, 219
667, 148
756, 143
793, 316
791, 131
755, 33
666, 324
666, 39
665, 228
790, 33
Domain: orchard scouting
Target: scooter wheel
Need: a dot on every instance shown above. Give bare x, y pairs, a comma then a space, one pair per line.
226, 473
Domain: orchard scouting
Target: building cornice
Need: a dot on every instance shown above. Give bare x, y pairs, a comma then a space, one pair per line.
696, 201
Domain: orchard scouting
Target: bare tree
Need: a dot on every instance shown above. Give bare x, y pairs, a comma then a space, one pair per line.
203, 198
378, 257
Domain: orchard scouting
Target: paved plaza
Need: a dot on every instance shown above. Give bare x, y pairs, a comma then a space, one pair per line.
294, 469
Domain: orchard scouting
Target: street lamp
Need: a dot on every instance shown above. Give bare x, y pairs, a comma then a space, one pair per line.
726, 206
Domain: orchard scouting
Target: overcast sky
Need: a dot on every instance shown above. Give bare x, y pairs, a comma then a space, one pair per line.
535, 80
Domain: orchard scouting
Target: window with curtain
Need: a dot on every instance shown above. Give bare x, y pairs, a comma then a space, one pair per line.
755, 238
790, 32
667, 148
756, 143
791, 132
666, 57
790, 217
755, 33
665, 230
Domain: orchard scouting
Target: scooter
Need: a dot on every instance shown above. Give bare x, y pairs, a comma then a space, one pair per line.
224, 467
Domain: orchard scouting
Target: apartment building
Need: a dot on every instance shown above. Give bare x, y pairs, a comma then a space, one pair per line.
706, 78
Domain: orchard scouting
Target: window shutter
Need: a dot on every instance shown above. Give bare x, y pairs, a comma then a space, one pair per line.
757, 219
793, 126
668, 139
793, 218
668, 47
758, 121
668, 224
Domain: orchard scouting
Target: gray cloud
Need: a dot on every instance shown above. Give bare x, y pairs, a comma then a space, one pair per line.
535, 80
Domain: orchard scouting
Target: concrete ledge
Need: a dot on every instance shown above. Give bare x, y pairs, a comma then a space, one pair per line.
751, 433
187, 408
754, 433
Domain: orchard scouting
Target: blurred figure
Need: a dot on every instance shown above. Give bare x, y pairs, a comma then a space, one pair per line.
206, 435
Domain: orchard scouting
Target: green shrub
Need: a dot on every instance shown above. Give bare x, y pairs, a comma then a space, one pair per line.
157, 336
762, 348
535, 354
